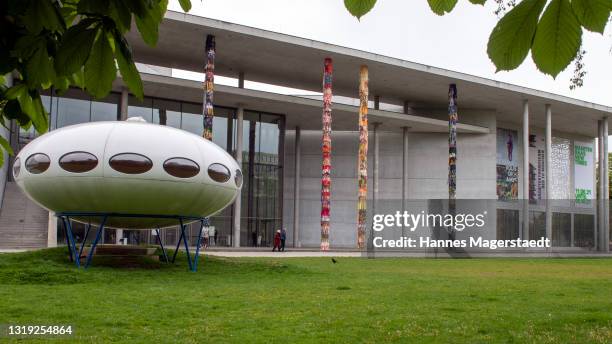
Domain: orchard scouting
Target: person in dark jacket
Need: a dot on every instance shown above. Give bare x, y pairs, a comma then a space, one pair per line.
283, 237
277, 241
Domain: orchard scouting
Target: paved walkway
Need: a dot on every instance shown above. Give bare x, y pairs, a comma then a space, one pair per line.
286, 254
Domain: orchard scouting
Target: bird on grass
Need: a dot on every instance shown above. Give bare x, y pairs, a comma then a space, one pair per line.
334, 261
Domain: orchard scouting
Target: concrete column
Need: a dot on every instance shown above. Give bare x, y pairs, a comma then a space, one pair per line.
606, 189
600, 208
123, 115
525, 233
52, 233
376, 102
408, 107
241, 80
404, 172
296, 188
548, 171
123, 104
238, 157
375, 168
5, 174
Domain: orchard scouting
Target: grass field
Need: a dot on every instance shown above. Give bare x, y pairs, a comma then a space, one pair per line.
312, 300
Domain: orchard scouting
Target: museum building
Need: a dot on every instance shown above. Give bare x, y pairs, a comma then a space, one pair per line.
527, 158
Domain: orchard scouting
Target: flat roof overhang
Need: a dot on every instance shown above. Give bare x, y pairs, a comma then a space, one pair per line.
299, 111
295, 62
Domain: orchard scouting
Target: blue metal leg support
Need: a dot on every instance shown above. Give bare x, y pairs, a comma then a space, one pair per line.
84, 239
178, 244
186, 245
77, 259
161, 245
67, 239
95, 243
197, 253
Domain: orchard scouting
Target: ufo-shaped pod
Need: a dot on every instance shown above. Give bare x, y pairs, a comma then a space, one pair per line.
127, 168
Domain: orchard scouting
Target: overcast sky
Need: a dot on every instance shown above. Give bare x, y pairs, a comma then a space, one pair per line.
407, 29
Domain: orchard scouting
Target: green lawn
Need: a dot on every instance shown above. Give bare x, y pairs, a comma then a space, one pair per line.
312, 300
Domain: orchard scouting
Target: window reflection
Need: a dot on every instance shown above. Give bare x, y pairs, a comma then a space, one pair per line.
78, 162
130, 163
37, 163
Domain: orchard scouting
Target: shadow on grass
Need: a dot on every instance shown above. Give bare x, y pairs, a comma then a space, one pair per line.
53, 267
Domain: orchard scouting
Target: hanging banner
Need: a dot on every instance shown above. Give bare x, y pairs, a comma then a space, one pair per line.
537, 166
584, 183
507, 165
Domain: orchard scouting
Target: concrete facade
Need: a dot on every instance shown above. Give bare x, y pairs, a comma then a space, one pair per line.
412, 171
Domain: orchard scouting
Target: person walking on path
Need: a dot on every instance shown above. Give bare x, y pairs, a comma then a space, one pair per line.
206, 237
283, 237
277, 241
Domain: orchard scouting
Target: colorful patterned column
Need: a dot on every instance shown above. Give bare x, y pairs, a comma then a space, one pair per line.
326, 147
209, 85
452, 142
363, 157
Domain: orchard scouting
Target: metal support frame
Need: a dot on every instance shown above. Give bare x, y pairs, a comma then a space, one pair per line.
161, 245
75, 254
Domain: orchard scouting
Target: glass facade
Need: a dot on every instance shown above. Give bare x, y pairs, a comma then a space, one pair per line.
261, 191
262, 163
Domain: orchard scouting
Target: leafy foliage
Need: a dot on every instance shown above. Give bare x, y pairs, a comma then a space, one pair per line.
554, 37
69, 43
359, 7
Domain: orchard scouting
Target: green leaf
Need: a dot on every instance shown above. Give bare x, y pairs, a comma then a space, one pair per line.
42, 14
39, 68
592, 14
359, 8
557, 38
185, 5
78, 79
93, 6
100, 69
74, 49
41, 119
441, 7
478, 2
31, 107
511, 39
122, 15
128, 70
6, 145
148, 25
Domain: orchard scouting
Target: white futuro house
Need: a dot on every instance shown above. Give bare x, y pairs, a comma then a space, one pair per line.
129, 167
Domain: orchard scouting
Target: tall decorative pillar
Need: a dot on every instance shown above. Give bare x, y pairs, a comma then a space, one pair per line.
209, 85
362, 173
452, 143
327, 148
453, 116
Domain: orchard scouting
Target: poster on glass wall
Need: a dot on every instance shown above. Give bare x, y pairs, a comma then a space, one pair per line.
537, 161
583, 172
507, 164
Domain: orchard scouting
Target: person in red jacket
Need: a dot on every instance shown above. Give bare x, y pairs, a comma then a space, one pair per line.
277, 241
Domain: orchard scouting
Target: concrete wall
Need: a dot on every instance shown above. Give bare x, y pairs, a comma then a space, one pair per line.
428, 174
